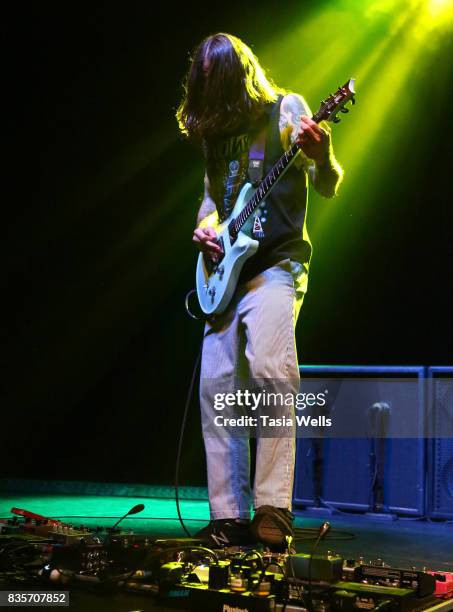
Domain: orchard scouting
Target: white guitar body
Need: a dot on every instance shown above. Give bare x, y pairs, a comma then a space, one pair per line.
216, 284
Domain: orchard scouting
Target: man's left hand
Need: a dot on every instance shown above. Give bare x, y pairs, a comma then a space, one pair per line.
314, 140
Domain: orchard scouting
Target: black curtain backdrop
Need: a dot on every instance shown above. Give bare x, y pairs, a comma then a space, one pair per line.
98, 351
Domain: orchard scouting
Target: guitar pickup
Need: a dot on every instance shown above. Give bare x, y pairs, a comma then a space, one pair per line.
232, 232
222, 246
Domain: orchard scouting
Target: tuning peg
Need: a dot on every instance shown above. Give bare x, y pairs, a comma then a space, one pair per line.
322, 101
336, 120
352, 100
344, 110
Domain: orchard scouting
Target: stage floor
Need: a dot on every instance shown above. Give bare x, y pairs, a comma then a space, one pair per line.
402, 543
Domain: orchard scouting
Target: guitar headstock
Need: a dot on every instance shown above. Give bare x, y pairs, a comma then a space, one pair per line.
335, 103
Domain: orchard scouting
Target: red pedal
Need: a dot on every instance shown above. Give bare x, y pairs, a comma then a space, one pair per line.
37, 517
444, 583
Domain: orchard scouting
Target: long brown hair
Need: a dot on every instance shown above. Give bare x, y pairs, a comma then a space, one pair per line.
230, 94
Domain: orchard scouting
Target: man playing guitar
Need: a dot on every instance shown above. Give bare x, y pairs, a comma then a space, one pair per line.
228, 103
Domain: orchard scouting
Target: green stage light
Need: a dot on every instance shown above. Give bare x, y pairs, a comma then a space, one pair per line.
388, 47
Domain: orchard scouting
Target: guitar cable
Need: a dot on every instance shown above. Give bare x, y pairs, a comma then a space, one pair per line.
202, 316
185, 413
181, 439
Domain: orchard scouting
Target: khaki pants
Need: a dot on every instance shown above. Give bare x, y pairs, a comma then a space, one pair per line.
255, 336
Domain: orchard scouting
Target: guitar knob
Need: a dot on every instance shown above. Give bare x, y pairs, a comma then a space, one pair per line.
220, 270
212, 291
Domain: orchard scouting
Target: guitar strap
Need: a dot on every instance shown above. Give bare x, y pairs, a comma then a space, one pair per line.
256, 158
256, 151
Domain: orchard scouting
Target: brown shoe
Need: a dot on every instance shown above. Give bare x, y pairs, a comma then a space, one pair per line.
273, 526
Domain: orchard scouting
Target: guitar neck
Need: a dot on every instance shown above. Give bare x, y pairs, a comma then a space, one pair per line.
271, 179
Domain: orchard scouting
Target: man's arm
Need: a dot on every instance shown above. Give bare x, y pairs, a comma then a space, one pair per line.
204, 235
291, 109
318, 160
207, 207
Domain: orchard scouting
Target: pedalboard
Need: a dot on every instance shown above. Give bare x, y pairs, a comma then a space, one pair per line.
184, 574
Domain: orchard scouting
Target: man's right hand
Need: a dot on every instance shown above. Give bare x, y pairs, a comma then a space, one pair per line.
205, 239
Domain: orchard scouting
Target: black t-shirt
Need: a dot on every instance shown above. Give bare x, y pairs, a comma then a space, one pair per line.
279, 222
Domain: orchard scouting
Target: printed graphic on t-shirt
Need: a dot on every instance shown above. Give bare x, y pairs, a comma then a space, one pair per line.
228, 171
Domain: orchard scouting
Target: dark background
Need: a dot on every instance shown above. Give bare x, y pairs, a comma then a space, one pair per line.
98, 351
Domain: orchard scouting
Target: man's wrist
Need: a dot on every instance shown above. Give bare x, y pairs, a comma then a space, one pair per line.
325, 160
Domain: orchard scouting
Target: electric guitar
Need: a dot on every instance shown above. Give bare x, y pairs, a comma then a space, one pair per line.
216, 280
